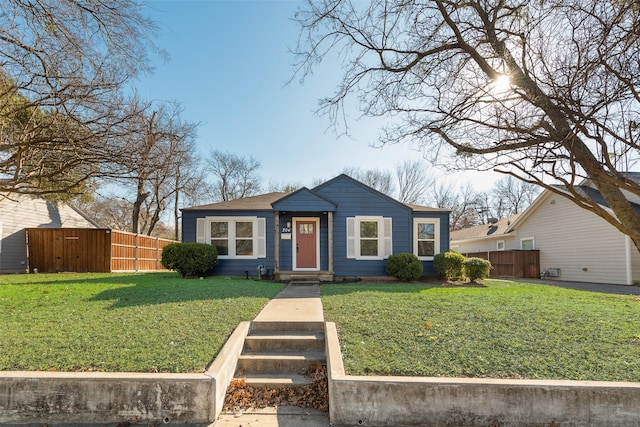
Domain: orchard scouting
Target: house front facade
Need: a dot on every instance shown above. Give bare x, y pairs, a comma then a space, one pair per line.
575, 244
340, 228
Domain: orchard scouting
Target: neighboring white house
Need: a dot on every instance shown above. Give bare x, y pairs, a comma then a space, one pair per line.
573, 242
18, 212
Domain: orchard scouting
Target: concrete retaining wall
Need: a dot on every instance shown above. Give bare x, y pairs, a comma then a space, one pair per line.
50, 398
39, 398
418, 401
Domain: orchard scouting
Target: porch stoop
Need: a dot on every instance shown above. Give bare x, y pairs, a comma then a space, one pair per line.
314, 277
277, 354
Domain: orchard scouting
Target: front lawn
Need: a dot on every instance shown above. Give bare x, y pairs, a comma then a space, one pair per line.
154, 322
506, 330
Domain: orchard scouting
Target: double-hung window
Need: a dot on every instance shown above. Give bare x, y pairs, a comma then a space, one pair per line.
369, 237
426, 237
234, 237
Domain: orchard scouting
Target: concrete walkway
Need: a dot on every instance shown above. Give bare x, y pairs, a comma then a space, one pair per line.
295, 303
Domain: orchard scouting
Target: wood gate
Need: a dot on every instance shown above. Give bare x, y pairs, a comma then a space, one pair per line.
518, 263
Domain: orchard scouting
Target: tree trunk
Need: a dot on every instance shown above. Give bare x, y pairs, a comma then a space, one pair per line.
142, 196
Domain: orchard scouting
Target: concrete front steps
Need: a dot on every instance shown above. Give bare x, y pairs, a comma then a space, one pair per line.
277, 354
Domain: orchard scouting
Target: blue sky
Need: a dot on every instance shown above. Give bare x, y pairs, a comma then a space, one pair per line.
229, 63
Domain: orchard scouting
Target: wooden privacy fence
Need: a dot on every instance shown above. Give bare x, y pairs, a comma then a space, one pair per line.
97, 250
516, 263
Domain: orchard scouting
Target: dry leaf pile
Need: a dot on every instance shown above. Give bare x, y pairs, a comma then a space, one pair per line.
241, 397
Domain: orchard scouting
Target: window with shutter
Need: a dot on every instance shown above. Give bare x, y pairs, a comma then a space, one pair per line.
235, 237
369, 237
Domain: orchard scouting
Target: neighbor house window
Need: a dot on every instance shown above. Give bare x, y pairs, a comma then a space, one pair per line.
369, 237
234, 237
500, 245
426, 237
527, 243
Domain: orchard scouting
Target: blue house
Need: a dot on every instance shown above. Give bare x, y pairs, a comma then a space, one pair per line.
341, 228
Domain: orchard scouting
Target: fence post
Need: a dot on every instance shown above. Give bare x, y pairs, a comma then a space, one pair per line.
136, 244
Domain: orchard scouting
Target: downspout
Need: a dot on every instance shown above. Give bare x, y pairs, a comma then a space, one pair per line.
627, 250
330, 241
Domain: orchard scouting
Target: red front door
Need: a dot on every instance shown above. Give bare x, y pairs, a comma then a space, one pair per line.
306, 244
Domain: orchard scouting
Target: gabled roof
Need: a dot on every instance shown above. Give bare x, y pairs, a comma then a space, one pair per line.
310, 200
513, 222
415, 208
18, 197
587, 191
344, 176
485, 231
254, 203
304, 200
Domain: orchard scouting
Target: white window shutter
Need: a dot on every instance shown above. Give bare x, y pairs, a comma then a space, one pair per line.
261, 238
351, 237
201, 230
387, 236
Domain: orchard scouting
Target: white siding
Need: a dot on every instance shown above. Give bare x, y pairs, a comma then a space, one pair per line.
635, 264
489, 244
584, 246
20, 212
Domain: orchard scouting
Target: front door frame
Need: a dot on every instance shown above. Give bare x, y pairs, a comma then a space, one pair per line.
294, 242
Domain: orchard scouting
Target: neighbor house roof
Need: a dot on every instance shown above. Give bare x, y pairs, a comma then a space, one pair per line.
499, 228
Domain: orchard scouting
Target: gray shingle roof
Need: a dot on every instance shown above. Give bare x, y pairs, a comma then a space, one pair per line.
254, 203
485, 230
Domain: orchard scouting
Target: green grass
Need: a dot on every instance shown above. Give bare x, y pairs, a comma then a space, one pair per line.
506, 330
121, 322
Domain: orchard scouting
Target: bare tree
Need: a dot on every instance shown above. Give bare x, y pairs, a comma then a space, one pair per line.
465, 205
545, 91
62, 65
414, 181
286, 187
190, 183
513, 195
152, 159
236, 176
377, 179
109, 211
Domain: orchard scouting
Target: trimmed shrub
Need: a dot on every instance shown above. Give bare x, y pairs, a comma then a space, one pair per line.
190, 259
477, 268
404, 266
449, 265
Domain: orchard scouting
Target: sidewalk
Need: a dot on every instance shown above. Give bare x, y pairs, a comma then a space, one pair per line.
295, 303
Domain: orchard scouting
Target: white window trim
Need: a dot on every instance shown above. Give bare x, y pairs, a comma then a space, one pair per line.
385, 237
436, 249
294, 243
259, 237
533, 242
504, 246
